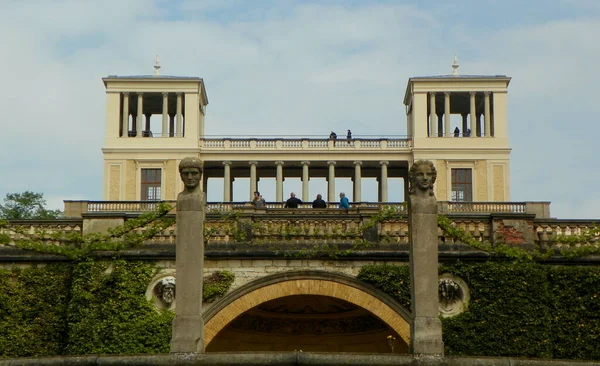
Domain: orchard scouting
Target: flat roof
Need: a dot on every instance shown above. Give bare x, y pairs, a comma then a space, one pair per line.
451, 78
158, 77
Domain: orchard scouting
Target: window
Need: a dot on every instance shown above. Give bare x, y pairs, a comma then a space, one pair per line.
462, 185
151, 184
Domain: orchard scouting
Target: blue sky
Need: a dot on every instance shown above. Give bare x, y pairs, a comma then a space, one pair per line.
300, 68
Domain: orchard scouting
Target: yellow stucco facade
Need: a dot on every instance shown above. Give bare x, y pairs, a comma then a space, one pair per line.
458, 122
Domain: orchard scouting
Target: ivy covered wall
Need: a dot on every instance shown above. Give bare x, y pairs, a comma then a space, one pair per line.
88, 307
519, 309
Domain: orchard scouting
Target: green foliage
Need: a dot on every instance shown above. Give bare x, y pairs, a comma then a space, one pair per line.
508, 314
216, 285
516, 309
393, 280
90, 307
591, 235
109, 313
25, 206
33, 310
76, 246
577, 245
575, 311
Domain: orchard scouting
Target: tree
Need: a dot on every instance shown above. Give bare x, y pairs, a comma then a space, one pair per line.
25, 206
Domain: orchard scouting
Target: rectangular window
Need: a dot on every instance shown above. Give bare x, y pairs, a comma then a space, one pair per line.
151, 184
462, 185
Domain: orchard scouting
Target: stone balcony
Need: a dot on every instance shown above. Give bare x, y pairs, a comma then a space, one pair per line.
280, 143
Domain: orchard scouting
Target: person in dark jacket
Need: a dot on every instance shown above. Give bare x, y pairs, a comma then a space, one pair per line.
292, 202
319, 203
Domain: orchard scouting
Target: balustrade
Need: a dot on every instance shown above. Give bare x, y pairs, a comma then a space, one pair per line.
305, 225
276, 143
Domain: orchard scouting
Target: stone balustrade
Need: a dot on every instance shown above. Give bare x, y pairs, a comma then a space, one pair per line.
513, 223
50, 230
547, 230
303, 144
539, 209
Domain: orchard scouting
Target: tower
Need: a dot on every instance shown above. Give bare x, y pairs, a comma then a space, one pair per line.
152, 122
460, 123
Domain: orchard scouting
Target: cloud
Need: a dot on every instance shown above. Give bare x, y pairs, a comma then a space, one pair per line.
296, 68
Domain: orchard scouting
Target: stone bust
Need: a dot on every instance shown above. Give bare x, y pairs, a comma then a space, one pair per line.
190, 171
422, 176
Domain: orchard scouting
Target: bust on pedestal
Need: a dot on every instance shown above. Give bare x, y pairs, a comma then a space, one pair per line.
188, 327
426, 329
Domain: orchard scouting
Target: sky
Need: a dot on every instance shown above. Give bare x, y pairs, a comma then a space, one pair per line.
300, 68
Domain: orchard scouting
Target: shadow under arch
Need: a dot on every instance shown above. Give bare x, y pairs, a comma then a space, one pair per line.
303, 282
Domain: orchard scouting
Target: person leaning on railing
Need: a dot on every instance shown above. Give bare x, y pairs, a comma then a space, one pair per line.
258, 201
319, 202
344, 203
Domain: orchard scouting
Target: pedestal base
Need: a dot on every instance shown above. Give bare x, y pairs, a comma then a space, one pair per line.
188, 334
426, 336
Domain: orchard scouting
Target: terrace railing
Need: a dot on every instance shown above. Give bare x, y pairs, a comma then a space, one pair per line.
304, 143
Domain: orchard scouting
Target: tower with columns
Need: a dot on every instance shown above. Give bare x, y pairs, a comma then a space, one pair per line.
458, 122
152, 122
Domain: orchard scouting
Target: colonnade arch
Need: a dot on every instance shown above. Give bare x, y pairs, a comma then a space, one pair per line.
363, 300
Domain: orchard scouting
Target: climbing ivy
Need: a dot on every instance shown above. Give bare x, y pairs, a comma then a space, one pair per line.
109, 314
33, 310
516, 308
87, 307
216, 285
75, 246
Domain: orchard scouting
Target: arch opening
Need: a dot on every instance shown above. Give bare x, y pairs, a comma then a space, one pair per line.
311, 323
310, 311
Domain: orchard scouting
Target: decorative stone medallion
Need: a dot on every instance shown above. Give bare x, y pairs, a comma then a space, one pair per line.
453, 295
162, 291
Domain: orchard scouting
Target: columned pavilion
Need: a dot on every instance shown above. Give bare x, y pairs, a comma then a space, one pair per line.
457, 121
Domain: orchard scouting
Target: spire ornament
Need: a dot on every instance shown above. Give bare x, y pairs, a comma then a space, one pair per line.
455, 66
157, 67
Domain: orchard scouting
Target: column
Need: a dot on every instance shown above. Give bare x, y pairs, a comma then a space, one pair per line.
227, 181
432, 115
165, 115
279, 182
147, 127
140, 114
331, 182
252, 178
179, 118
125, 116
464, 123
384, 180
472, 117
171, 125
486, 114
305, 179
447, 130
357, 178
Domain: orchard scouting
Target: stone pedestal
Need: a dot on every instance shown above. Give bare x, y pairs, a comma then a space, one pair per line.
426, 330
188, 327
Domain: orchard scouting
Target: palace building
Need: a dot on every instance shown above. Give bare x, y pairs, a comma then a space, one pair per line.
457, 121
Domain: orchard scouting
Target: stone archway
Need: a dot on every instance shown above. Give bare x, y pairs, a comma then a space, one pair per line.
357, 301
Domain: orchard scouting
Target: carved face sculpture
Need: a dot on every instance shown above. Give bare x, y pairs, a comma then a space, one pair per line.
165, 290
190, 177
423, 177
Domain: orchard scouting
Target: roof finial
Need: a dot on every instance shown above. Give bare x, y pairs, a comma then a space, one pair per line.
455, 66
157, 67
